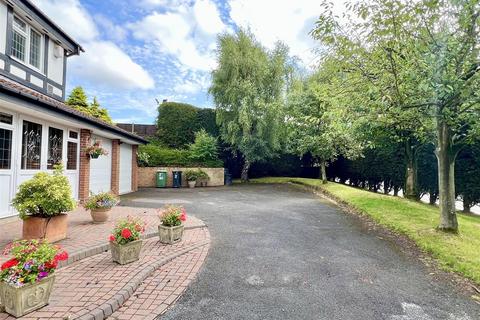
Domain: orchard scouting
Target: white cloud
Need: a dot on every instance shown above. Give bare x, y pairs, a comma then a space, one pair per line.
104, 63
284, 20
107, 65
184, 32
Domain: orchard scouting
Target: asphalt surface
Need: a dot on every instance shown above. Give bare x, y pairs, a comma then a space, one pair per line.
281, 253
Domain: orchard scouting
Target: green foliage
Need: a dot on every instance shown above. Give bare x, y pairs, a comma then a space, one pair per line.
413, 219
161, 156
44, 195
205, 147
102, 200
78, 100
467, 171
172, 216
196, 175
127, 230
206, 120
176, 124
247, 88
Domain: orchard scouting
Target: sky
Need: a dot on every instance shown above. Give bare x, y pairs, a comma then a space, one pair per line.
137, 51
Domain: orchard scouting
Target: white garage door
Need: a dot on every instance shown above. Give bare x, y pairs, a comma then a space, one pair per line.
101, 168
125, 168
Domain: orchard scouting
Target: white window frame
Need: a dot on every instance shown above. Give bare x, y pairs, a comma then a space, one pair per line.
27, 35
77, 141
10, 127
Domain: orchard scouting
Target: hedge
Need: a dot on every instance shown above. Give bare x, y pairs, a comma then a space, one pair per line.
166, 157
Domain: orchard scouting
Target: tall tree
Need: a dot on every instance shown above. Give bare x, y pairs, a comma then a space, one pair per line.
176, 123
247, 88
78, 100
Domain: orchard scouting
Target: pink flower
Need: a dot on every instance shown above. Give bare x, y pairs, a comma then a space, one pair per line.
183, 216
112, 238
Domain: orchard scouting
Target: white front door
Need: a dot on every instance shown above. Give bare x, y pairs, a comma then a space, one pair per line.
125, 168
7, 168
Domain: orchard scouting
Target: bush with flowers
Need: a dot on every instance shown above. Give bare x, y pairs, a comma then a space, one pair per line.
102, 200
127, 230
172, 216
31, 261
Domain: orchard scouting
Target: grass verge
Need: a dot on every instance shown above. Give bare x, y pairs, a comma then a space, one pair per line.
457, 253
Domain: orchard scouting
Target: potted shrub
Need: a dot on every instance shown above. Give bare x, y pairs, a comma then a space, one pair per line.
125, 241
100, 205
191, 176
26, 280
202, 177
171, 228
95, 150
42, 203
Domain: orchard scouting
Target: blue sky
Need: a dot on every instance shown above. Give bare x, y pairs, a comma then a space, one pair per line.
139, 51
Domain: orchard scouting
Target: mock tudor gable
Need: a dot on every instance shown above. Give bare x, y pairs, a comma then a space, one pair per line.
37, 130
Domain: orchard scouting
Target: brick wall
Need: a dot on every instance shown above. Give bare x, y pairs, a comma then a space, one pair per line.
115, 177
84, 167
146, 176
135, 174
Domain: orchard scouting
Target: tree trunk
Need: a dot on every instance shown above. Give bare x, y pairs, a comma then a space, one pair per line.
246, 167
323, 172
466, 206
396, 189
446, 177
411, 190
432, 198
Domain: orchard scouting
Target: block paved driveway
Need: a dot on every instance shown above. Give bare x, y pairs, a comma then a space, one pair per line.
281, 253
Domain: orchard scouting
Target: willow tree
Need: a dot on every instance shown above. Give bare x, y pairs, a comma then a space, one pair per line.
248, 89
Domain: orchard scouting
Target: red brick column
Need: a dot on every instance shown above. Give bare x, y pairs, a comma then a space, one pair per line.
84, 168
115, 180
134, 168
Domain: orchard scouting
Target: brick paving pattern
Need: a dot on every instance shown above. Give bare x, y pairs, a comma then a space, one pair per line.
95, 287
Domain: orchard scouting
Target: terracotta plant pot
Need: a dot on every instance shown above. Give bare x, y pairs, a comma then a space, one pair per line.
19, 301
100, 215
191, 184
170, 235
126, 253
51, 229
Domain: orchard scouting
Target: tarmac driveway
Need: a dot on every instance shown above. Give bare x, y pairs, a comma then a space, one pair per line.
281, 253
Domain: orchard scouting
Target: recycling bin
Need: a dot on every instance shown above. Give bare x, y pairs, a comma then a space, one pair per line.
177, 179
161, 179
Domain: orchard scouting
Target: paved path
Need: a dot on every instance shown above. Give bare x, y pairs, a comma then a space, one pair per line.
281, 253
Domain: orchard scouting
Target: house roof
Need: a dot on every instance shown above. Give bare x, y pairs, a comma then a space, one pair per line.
30, 9
11, 88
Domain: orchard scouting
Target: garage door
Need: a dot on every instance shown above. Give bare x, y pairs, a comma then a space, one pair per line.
125, 168
101, 169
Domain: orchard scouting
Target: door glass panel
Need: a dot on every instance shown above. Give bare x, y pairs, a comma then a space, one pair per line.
31, 145
5, 148
72, 156
55, 147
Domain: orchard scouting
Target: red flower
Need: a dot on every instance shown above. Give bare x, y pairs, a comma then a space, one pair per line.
51, 264
183, 216
112, 238
61, 256
126, 233
10, 263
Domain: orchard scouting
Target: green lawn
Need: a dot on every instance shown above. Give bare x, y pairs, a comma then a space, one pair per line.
458, 253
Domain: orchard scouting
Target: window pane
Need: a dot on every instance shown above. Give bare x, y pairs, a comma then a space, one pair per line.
19, 24
5, 148
73, 134
18, 45
55, 147
6, 118
35, 47
72, 156
31, 145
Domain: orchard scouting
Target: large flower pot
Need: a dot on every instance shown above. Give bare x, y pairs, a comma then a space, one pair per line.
170, 235
100, 215
51, 229
126, 253
191, 184
19, 301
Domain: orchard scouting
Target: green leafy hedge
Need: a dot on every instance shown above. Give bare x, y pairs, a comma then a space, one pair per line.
151, 155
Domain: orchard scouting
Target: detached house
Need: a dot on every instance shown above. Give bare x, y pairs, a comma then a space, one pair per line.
37, 130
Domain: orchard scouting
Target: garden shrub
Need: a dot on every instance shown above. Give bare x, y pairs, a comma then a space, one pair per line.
176, 124
159, 156
44, 195
205, 147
